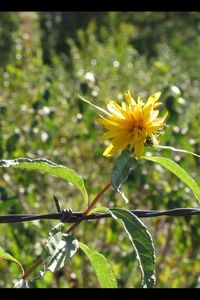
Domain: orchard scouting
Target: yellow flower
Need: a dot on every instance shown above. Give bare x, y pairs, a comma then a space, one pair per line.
131, 124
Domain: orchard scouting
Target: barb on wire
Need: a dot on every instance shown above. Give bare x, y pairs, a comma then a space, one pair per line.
67, 216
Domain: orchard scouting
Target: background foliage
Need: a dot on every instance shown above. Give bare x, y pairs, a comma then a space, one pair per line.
46, 59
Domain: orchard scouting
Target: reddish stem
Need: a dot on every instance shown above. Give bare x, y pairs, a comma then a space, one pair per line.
90, 207
32, 268
72, 227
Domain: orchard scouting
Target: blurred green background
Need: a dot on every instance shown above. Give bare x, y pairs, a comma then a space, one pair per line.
46, 59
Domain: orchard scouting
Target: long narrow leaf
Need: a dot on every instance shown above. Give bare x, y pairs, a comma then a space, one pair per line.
48, 166
177, 150
141, 240
7, 256
171, 166
95, 106
121, 170
101, 266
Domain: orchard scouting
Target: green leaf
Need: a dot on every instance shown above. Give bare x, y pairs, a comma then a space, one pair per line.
95, 106
47, 166
121, 170
171, 166
160, 147
141, 240
177, 150
5, 255
59, 248
101, 266
21, 284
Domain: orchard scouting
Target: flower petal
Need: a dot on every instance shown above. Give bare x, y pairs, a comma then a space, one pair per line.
107, 135
153, 98
131, 123
154, 139
115, 109
129, 98
139, 149
110, 123
154, 114
110, 150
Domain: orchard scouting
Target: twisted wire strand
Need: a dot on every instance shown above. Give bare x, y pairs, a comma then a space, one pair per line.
67, 216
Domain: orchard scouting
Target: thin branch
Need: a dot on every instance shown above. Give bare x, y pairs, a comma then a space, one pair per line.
90, 207
65, 216
33, 267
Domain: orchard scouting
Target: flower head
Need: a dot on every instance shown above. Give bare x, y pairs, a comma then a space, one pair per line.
131, 124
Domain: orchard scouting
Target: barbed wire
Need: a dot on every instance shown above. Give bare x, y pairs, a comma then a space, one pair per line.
67, 216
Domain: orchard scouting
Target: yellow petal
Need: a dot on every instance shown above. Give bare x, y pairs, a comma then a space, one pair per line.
107, 122
110, 150
115, 109
126, 111
161, 119
139, 101
157, 104
139, 149
146, 112
131, 123
153, 98
107, 135
154, 139
159, 122
154, 114
136, 113
139, 135
122, 140
129, 98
